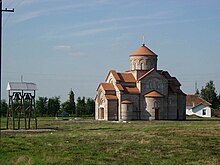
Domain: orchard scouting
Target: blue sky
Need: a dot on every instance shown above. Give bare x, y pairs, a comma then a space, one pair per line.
64, 44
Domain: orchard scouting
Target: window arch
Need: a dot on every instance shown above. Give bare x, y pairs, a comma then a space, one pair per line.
158, 85
131, 65
170, 101
151, 85
110, 80
142, 65
136, 65
156, 104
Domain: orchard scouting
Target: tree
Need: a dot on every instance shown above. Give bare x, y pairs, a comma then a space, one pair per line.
66, 107
41, 106
85, 107
219, 100
197, 92
53, 106
4, 108
80, 106
72, 102
209, 94
90, 106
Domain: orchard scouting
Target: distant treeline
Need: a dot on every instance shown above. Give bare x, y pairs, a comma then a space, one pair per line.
53, 107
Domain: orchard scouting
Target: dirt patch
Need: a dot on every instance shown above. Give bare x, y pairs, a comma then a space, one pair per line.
13, 133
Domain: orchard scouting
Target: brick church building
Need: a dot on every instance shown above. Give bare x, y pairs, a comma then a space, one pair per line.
142, 93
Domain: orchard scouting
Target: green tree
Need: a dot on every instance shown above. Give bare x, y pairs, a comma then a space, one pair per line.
219, 100
80, 106
53, 106
90, 106
197, 92
41, 106
4, 108
72, 102
66, 107
209, 94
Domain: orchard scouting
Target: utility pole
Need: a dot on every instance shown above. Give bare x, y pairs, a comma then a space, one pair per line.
2, 10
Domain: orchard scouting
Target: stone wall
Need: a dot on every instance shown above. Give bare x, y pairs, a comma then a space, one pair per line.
112, 110
143, 62
134, 98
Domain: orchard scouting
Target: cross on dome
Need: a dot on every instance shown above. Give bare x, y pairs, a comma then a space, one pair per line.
143, 41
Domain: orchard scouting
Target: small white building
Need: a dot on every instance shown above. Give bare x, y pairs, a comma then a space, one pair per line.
197, 106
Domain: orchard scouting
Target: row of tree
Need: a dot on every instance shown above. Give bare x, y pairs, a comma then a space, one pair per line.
209, 94
86, 106
53, 107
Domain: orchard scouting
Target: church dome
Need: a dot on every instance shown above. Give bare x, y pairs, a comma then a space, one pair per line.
143, 51
143, 59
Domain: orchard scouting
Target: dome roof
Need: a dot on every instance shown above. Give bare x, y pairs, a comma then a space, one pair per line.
153, 94
143, 51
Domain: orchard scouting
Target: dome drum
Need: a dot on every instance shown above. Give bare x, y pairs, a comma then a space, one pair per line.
143, 62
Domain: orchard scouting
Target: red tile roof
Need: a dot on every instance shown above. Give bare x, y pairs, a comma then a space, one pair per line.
107, 86
115, 75
196, 100
173, 83
119, 86
111, 97
127, 77
126, 102
132, 90
124, 77
153, 94
143, 50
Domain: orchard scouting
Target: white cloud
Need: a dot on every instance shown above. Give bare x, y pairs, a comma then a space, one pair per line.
91, 31
68, 50
62, 47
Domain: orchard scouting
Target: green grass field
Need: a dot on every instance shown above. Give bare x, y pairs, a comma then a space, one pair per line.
91, 142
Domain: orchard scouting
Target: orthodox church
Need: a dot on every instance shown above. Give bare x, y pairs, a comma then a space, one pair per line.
142, 93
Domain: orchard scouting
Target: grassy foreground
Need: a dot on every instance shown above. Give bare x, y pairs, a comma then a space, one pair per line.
92, 142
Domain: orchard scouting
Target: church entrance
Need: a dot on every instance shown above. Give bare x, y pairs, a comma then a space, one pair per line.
101, 113
156, 113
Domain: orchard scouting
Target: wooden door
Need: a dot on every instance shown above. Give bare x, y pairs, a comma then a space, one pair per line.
101, 113
156, 113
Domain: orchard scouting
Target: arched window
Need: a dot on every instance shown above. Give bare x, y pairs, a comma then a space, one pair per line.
158, 85
131, 64
170, 101
142, 66
151, 84
136, 65
110, 80
156, 104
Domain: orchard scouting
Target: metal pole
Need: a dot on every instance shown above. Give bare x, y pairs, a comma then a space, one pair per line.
0, 67
6, 10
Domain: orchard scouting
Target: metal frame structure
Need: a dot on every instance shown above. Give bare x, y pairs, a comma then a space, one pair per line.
21, 104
